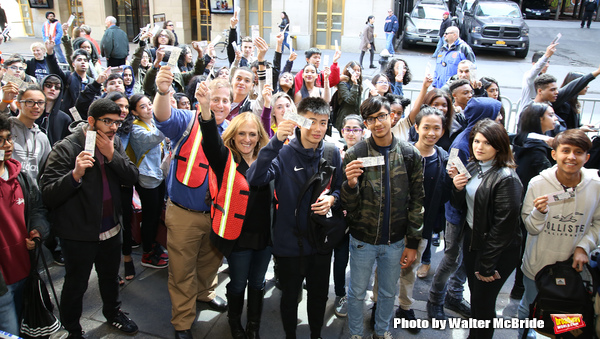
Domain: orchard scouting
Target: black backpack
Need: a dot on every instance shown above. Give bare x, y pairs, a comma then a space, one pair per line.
323, 233
563, 290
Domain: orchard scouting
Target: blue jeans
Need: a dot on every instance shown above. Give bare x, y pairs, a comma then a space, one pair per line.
249, 267
60, 56
362, 258
341, 255
389, 42
528, 298
450, 274
11, 305
285, 43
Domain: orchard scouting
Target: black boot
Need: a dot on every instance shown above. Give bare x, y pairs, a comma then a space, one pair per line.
234, 314
255, 306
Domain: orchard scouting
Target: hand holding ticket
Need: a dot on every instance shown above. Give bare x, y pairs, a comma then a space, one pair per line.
298, 119
90, 142
454, 160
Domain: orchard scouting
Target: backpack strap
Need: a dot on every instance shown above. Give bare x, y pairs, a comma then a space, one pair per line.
129, 149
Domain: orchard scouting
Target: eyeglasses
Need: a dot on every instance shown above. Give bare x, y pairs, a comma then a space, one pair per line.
109, 122
381, 118
382, 82
31, 103
170, 25
55, 86
15, 68
3, 141
353, 130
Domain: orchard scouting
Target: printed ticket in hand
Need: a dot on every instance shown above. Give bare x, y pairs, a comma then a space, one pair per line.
300, 120
372, 161
325, 61
71, 19
555, 40
174, 56
216, 40
561, 195
1, 154
337, 48
90, 142
17, 81
538, 136
157, 27
269, 76
453, 159
235, 46
116, 70
75, 114
255, 32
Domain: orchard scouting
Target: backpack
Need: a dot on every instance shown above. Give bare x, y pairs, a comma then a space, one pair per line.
563, 290
324, 232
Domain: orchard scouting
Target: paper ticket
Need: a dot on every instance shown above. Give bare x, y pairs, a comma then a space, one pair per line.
269, 76
1, 155
325, 61
174, 58
71, 19
300, 120
453, 159
255, 32
555, 40
235, 46
75, 114
428, 69
90, 142
167, 48
372, 161
538, 136
116, 69
157, 27
17, 81
216, 40
561, 195
337, 47
370, 86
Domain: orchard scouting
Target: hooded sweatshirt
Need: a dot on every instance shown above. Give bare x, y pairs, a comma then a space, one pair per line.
31, 146
129, 90
568, 224
56, 122
477, 109
15, 264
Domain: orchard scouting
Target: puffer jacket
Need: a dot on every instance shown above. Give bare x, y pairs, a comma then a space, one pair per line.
496, 213
364, 205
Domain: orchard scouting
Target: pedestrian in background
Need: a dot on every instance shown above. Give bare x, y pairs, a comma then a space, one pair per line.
114, 43
52, 30
590, 8
367, 42
446, 22
284, 26
390, 28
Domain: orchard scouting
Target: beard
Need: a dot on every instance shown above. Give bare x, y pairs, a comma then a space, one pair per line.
53, 20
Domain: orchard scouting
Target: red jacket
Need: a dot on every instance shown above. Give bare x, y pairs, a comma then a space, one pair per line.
334, 78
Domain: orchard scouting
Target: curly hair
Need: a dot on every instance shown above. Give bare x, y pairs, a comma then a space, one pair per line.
391, 74
168, 33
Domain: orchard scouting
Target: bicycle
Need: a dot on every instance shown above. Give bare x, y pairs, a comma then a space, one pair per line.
221, 46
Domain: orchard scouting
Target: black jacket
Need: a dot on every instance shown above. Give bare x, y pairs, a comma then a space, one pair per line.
445, 24
441, 193
56, 126
70, 79
497, 210
77, 208
531, 156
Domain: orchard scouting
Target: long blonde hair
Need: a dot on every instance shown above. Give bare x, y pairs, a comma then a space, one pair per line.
232, 129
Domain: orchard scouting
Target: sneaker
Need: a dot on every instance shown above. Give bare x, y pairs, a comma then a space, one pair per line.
460, 306
435, 311
423, 270
341, 306
152, 260
162, 253
123, 323
408, 315
517, 292
386, 335
435, 239
356, 336
58, 258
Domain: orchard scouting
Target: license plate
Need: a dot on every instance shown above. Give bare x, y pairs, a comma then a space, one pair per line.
427, 40
501, 42
538, 13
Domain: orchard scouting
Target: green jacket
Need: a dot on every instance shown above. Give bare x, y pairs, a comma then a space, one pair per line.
180, 81
115, 43
349, 102
364, 203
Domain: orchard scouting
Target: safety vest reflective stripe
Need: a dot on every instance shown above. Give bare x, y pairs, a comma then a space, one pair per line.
192, 160
230, 181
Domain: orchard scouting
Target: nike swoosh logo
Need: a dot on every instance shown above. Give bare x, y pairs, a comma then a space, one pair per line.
296, 169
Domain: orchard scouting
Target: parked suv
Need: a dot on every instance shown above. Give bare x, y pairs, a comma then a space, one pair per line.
496, 25
422, 24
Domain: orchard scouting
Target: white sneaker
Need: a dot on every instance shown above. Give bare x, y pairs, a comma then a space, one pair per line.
341, 306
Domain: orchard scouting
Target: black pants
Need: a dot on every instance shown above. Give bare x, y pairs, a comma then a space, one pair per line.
152, 205
484, 294
587, 16
292, 271
362, 54
115, 62
80, 256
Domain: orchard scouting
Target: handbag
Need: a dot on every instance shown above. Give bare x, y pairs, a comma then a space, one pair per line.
38, 320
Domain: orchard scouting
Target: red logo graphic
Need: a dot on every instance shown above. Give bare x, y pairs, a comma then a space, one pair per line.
567, 322
454, 55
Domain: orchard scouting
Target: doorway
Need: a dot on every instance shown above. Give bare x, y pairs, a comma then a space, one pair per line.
201, 20
131, 16
259, 13
328, 24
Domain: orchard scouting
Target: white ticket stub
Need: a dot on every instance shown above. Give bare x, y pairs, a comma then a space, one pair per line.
75, 114
255, 32
71, 19
372, 161
300, 120
325, 61
17, 81
216, 40
538, 136
453, 159
174, 58
167, 48
370, 86
337, 47
116, 70
157, 27
235, 46
269, 76
90, 142
561, 195
1, 155
555, 40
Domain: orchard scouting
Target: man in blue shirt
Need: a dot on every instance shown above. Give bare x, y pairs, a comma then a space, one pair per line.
390, 28
454, 51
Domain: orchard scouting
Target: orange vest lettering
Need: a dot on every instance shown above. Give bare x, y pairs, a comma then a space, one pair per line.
191, 165
229, 202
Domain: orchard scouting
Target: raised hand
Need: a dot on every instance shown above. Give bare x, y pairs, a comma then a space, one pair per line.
203, 96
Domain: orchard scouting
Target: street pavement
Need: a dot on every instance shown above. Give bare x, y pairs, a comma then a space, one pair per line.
146, 297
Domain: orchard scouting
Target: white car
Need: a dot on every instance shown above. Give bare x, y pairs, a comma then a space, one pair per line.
422, 24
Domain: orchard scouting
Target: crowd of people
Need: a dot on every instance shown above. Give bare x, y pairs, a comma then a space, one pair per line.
227, 153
